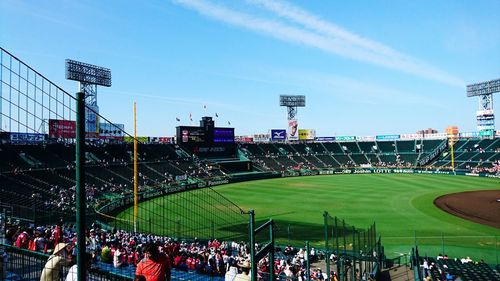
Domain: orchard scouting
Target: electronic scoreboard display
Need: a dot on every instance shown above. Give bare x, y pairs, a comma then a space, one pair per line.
207, 141
190, 135
225, 135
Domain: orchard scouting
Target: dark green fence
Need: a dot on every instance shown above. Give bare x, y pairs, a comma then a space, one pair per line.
352, 253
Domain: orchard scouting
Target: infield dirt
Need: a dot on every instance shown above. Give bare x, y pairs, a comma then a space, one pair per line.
478, 206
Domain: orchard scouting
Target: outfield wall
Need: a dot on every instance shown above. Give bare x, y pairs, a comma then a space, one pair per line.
400, 171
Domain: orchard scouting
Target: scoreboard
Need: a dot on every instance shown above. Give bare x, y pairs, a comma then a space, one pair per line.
207, 141
190, 135
225, 135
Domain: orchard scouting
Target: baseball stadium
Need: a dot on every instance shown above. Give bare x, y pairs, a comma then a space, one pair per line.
80, 190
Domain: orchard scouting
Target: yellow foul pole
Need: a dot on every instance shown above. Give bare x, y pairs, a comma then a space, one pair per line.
135, 170
452, 155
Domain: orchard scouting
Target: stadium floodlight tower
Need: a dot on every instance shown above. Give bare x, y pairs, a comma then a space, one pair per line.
88, 77
485, 90
292, 102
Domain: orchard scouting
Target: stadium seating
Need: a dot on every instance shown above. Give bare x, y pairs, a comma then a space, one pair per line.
471, 154
406, 146
466, 271
386, 146
332, 154
41, 173
39, 176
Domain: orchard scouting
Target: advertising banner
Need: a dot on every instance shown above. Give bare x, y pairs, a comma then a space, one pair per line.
438, 136
488, 133
27, 137
293, 133
261, 137
111, 131
388, 137
91, 121
365, 138
65, 129
307, 134
469, 134
345, 138
243, 139
139, 139
278, 135
325, 139
161, 139
410, 136
165, 140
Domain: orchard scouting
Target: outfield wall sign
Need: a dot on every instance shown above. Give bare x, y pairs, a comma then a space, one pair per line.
278, 134
261, 137
365, 138
27, 137
307, 134
324, 139
388, 137
345, 138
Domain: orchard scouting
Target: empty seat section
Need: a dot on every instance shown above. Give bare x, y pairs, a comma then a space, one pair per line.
333, 147
344, 160
366, 146
430, 145
406, 146
359, 159
317, 147
351, 147
269, 148
386, 146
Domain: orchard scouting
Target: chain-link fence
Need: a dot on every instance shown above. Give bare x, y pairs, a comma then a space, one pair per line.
352, 253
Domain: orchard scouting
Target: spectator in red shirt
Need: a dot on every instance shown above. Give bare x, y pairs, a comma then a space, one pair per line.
23, 240
154, 266
57, 234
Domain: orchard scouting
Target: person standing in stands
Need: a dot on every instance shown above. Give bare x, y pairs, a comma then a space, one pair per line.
22, 240
59, 258
245, 272
57, 233
73, 271
232, 271
155, 266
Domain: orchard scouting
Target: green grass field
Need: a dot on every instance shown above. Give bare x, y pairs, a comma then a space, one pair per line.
401, 205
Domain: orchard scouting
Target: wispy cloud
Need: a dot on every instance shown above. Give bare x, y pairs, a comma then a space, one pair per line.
320, 34
348, 89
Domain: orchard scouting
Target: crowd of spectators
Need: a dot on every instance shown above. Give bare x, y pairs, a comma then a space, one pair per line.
494, 169
439, 271
121, 248
114, 179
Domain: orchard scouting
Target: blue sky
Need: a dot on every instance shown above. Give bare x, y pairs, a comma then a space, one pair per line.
365, 67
